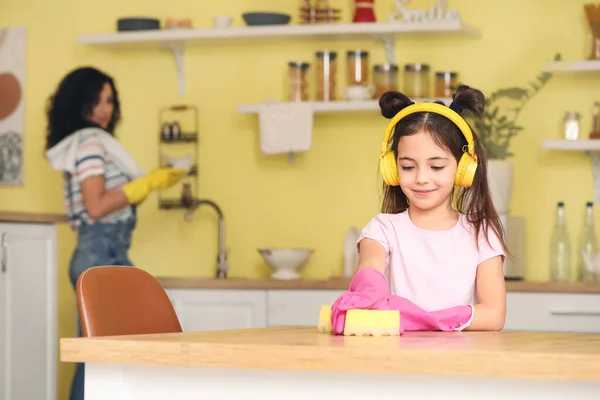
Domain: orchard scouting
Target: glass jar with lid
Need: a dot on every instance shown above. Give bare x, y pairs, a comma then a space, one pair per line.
385, 78
446, 83
298, 81
416, 80
357, 67
326, 71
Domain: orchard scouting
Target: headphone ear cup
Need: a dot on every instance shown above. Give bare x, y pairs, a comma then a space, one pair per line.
465, 171
389, 169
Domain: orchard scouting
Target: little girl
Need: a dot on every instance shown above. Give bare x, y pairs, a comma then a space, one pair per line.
436, 251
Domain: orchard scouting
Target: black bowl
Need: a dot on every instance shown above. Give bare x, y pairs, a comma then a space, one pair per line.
265, 18
137, 24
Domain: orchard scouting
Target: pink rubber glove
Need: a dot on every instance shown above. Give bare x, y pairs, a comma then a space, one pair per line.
414, 318
368, 291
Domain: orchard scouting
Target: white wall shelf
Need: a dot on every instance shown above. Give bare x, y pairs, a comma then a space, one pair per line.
342, 31
591, 147
332, 106
175, 40
572, 66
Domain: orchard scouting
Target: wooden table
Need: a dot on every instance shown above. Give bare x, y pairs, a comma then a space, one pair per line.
295, 363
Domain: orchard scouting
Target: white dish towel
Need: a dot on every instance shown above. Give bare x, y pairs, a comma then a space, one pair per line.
285, 128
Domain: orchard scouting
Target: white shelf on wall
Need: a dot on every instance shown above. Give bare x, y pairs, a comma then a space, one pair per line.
572, 66
176, 40
342, 31
591, 147
572, 145
332, 106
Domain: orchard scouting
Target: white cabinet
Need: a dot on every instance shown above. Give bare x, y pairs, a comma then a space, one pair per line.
298, 307
28, 311
553, 312
208, 309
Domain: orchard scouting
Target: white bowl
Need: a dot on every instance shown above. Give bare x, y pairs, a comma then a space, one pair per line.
286, 261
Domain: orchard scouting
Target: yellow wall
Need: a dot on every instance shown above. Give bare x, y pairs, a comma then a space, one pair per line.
266, 201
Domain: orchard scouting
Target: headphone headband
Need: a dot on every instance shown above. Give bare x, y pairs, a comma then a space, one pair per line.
437, 109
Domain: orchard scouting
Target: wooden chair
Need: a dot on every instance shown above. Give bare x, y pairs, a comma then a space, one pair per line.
120, 300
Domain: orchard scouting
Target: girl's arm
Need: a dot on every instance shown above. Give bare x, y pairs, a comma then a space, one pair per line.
371, 255
490, 312
97, 201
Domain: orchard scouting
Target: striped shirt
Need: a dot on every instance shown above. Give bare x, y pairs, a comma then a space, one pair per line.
93, 160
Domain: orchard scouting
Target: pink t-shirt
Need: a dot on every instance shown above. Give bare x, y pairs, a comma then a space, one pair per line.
433, 269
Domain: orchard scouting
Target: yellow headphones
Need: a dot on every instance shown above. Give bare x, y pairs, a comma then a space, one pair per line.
467, 165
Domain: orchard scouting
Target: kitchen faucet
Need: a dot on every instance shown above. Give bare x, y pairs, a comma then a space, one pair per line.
222, 265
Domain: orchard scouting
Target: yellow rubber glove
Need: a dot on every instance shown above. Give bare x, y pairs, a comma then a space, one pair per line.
137, 190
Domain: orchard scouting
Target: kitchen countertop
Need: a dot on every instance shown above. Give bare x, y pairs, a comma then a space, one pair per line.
40, 218
344, 283
539, 355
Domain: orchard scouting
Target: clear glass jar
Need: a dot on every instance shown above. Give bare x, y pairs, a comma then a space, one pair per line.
446, 83
326, 71
385, 78
298, 81
358, 67
416, 80
572, 126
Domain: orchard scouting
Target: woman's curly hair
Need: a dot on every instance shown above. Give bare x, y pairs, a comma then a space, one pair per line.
76, 96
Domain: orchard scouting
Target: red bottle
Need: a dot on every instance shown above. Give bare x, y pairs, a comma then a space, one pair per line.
364, 11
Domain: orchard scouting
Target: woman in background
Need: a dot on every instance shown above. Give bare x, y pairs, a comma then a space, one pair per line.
102, 183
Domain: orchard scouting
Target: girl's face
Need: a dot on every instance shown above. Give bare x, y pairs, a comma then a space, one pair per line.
426, 171
102, 112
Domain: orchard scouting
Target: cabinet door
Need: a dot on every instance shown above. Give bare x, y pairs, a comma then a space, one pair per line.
28, 316
208, 309
298, 307
553, 312
4, 388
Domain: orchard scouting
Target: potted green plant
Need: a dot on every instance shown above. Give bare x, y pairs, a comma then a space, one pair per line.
496, 130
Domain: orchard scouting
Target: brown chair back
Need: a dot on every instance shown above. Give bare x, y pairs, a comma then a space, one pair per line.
122, 300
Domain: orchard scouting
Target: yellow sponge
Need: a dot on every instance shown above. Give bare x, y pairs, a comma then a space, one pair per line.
372, 323
325, 320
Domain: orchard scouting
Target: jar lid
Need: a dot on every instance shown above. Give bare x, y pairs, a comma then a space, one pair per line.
416, 67
357, 53
385, 68
570, 115
446, 74
299, 64
330, 54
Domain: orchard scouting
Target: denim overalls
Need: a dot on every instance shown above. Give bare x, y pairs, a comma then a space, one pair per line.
97, 245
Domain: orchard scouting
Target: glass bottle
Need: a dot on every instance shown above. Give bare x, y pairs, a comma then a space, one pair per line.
572, 127
326, 71
298, 81
358, 67
187, 198
587, 245
385, 78
560, 248
446, 83
416, 80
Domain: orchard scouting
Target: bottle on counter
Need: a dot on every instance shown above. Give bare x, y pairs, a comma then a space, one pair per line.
166, 131
175, 130
587, 245
187, 199
560, 248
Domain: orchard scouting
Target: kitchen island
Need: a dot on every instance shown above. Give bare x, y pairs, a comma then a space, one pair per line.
298, 363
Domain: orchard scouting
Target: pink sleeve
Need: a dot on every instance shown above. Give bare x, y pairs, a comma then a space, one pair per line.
491, 249
377, 229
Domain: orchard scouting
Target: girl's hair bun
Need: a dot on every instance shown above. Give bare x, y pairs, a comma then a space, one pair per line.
468, 98
392, 102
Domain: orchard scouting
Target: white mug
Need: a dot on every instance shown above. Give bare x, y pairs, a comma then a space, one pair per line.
360, 92
222, 21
